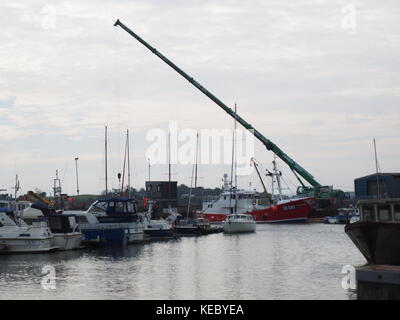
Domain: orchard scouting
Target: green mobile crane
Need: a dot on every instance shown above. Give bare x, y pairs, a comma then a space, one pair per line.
316, 190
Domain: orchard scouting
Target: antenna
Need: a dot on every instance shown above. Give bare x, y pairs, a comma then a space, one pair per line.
57, 190
16, 187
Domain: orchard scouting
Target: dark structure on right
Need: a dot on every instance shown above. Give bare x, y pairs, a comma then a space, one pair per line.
367, 187
377, 235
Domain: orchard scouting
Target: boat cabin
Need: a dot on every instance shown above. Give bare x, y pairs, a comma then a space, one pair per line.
385, 210
117, 209
63, 223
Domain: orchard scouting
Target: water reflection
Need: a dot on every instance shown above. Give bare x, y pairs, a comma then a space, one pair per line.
276, 262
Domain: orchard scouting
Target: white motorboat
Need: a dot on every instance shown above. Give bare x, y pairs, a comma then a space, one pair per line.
156, 229
238, 223
65, 230
17, 236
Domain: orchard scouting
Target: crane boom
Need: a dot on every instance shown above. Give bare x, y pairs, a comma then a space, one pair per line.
266, 142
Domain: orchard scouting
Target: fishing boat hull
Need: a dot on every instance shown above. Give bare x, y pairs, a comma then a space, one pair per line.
289, 211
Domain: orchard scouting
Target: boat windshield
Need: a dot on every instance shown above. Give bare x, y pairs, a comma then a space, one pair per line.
112, 207
240, 216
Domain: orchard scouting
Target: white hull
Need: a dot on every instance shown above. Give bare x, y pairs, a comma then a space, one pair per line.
67, 241
26, 245
239, 226
136, 236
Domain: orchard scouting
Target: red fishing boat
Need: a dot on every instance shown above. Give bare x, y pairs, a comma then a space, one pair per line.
248, 201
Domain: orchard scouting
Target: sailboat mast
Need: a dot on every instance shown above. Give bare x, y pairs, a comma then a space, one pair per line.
235, 127
16, 187
194, 174
129, 166
105, 152
123, 169
169, 157
377, 171
197, 154
233, 166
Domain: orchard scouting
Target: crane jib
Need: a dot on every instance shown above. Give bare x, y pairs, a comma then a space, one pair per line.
267, 143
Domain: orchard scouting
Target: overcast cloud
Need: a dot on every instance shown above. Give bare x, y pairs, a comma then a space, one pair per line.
315, 79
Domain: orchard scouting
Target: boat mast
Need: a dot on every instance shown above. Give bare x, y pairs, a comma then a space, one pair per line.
169, 158
377, 172
278, 175
194, 172
57, 190
275, 176
16, 187
262, 182
235, 138
197, 154
123, 169
105, 147
129, 166
233, 167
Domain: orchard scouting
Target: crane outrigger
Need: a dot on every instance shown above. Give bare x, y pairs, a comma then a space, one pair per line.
316, 188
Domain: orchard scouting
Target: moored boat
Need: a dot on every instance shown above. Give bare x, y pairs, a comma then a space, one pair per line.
377, 233
239, 223
111, 221
186, 227
345, 215
18, 237
247, 202
65, 230
157, 229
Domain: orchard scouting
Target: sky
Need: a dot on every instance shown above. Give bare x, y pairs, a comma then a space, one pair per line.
318, 78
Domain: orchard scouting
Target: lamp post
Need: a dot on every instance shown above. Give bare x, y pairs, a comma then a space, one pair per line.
76, 167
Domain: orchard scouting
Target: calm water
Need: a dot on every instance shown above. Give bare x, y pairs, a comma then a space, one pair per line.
276, 262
